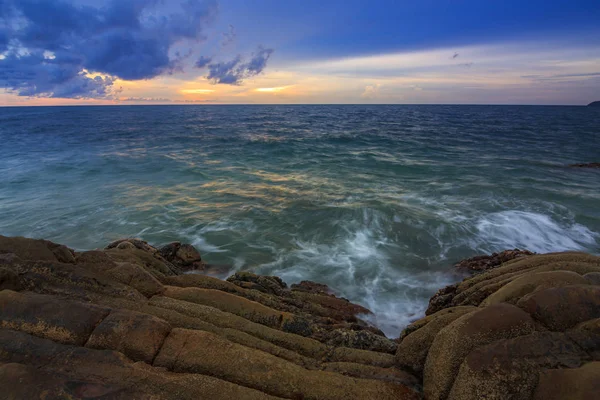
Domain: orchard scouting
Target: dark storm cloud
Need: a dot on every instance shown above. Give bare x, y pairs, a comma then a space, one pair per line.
235, 71
47, 44
203, 61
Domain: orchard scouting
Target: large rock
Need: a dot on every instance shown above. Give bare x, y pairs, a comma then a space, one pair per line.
48, 317
569, 384
39, 368
31, 249
206, 353
562, 308
534, 282
184, 256
418, 337
474, 290
509, 369
126, 322
483, 263
454, 342
138, 336
537, 317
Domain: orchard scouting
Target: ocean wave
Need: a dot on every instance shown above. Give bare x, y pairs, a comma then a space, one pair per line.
532, 231
361, 262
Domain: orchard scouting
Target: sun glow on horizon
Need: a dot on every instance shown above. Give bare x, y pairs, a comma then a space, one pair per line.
272, 89
197, 91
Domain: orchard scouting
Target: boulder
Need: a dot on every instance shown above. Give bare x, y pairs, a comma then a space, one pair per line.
206, 353
530, 283
454, 342
509, 369
184, 256
83, 373
311, 287
137, 277
569, 384
483, 263
561, 308
138, 336
418, 338
265, 284
64, 321
224, 301
35, 249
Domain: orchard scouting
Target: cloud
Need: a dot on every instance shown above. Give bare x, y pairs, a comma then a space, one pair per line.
229, 36
203, 61
124, 39
37, 75
371, 91
235, 71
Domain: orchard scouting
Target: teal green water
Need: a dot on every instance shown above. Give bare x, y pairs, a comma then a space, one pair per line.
375, 201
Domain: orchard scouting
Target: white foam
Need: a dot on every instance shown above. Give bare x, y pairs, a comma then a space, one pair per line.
532, 231
359, 265
205, 247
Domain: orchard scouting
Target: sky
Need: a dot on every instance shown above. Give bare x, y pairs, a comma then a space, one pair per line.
120, 52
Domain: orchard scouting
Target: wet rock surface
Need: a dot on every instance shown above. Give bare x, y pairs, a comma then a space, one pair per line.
131, 322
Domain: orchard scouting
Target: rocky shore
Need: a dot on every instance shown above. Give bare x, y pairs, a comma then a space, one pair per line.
131, 322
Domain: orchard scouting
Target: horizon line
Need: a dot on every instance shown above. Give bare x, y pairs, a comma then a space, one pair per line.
292, 104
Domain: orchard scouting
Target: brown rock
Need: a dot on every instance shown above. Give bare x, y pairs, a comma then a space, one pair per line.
9, 280
311, 287
360, 339
533, 282
483, 263
184, 256
72, 280
441, 299
138, 336
371, 372
509, 369
48, 317
564, 307
102, 374
593, 278
414, 346
476, 289
34, 249
127, 244
569, 384
137, 277
248, 309
266, 284
454, 342
205, 353
19, 381
366, 357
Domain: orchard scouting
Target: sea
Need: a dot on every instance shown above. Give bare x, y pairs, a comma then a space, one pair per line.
376, 201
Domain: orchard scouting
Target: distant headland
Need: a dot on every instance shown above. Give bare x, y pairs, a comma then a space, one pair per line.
594, 104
